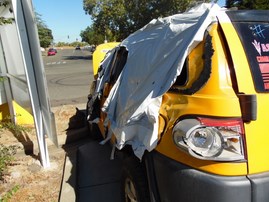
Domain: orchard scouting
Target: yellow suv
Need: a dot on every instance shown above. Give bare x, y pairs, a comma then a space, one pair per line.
213, 131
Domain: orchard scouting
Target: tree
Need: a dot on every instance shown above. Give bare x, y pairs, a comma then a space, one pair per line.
44, 33
3, 20
248, 4
90, 36
123, 17
45, 36
61, 44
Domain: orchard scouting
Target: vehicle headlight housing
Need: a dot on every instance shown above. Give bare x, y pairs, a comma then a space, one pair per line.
211, 139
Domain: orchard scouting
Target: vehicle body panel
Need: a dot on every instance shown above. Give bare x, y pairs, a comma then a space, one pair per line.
257, 138
99, 54
178, 182
218, 100
224, 74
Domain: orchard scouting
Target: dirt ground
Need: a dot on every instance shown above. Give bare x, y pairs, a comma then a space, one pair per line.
26, 179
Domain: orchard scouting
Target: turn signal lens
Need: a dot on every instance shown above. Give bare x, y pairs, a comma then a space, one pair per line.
219, 140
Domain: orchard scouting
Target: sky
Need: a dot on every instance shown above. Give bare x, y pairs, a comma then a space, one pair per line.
221, 2
66, 18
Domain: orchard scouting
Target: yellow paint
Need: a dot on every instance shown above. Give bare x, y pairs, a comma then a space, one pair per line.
99, 54
239, 59
257, 135
22, 116
4, 111
216, 98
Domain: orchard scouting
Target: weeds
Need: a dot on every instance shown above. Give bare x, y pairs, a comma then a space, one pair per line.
6, 157
9, 194
2, 79
7, 153
17, 130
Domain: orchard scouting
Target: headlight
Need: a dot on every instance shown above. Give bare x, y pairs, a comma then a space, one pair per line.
205, 141
209, 139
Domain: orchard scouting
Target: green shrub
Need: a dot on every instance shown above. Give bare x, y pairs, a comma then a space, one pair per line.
9, 194
6, 156
17, 130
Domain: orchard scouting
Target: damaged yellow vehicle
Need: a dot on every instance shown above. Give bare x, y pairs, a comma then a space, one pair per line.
99, 54
185, 100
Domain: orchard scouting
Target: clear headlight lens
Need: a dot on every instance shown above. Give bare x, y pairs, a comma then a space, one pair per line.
205, 141
209, 139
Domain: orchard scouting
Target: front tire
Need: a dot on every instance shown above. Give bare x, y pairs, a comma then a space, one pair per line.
134, 181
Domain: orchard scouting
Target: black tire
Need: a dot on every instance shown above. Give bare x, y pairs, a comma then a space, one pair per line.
134, 185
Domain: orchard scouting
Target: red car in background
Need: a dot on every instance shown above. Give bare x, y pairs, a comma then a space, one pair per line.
52, 51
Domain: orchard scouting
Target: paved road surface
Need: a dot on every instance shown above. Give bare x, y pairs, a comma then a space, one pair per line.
69, 75
86, 177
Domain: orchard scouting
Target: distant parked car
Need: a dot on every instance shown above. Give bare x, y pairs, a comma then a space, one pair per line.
52, 51
77, 47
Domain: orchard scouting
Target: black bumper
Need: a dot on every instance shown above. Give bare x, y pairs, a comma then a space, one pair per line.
178, 182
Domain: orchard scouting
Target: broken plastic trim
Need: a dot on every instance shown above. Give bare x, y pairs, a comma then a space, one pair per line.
206, 71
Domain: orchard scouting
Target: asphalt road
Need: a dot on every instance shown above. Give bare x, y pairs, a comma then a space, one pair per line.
69, 75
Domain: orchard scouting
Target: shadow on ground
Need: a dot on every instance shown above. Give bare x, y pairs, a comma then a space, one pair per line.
73, 57
89, 174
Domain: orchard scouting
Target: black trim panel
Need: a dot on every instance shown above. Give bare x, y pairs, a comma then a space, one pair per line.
177, 182
248, 15
260, 186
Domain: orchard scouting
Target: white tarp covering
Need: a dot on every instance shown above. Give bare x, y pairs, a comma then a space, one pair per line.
156, 54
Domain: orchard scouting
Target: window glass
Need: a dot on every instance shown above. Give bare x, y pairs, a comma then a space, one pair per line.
255, 39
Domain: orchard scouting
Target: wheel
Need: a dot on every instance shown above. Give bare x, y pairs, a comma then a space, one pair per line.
134, 184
